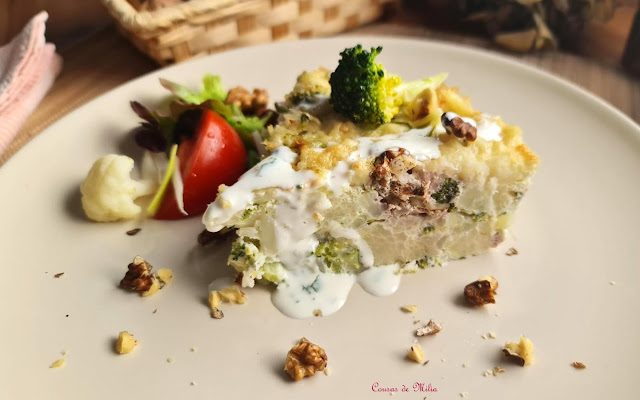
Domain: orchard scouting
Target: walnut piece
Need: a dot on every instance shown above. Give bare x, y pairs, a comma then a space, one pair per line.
512, 251
431, 328
57, 364
165, 275
578, 365
249, 103
125, 343
138, 276
460, 129
304, 359
231, 294
521, 353
416, 353
480, 292
410, 309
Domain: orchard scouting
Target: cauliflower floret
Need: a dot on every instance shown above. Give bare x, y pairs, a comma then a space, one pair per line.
108, 192
310, 84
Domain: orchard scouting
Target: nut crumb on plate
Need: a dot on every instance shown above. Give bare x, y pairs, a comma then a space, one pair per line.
498, 370
465, 365
481, 292
521, 353
139, 278
317, 313
416, 353
231, 294
170, 360
165, 275
492, 335
578, 365
58, 275
328, 371
57, 364
125, 343
464, 394
431, 328
512, 251
133, 232
193, 383
304, 359
410, 309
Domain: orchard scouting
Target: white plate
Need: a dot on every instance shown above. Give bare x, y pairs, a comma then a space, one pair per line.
576, 231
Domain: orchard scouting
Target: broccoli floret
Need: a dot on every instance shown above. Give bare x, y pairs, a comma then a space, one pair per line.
447, 192
339, 255
361, 89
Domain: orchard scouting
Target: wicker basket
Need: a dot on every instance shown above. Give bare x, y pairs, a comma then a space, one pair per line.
200, 27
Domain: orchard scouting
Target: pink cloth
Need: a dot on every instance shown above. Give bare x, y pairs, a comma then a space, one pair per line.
28, 67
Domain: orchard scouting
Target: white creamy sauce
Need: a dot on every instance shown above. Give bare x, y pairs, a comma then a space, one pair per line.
305, 291
380, 281
339, 178
416, 141
273, 171
486, 127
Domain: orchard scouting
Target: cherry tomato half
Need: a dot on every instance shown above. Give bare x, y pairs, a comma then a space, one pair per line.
213, 156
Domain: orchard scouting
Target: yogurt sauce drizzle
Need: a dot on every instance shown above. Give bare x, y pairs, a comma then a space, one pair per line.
306, 291
306, 288
273, 171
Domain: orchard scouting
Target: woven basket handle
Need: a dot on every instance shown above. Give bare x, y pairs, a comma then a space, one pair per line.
136, 20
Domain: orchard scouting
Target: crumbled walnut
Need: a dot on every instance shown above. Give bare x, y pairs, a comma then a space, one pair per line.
170, 360
492, 335
521, 353
317, 313
133, 232
431, 328
410, 309
165, 275
498, 370
125, 343
233, 294
58, 275
512, 252
416, 353
57, 364
156, 285
460, 129
328, 371
481, 292
138, 276
249, 103
578, 365
217, 313
304, 359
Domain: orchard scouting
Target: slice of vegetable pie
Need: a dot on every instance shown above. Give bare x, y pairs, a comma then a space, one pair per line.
368, 177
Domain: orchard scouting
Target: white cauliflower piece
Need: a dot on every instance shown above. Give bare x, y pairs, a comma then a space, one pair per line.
108, 192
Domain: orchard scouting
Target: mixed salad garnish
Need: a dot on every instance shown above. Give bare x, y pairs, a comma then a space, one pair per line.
202, 140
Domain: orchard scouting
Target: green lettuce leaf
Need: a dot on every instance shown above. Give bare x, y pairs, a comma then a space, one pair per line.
211, 90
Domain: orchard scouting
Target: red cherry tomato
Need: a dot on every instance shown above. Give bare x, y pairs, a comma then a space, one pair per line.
215, 155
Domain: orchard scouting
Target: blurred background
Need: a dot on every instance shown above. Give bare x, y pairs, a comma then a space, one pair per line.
104, 43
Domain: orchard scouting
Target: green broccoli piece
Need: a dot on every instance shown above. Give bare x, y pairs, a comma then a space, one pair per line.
339, 255
447, 192
361, 90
